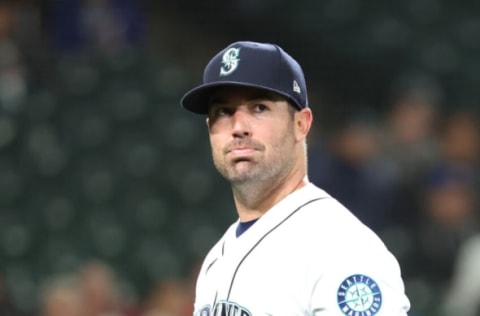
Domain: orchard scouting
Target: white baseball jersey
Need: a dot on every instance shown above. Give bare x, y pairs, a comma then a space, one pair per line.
308, 255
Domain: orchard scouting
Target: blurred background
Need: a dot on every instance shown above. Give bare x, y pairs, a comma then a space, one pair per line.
109, 199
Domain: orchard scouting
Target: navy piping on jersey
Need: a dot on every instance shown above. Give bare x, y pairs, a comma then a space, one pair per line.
263, 237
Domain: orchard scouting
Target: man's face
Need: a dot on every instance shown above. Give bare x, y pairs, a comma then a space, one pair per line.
251, 134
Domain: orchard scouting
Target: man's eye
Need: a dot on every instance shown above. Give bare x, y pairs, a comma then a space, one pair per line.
221, 112
260, 107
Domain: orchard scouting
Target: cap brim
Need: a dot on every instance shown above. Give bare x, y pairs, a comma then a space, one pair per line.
196, 100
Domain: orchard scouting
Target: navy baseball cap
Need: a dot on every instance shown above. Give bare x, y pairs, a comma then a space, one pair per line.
250, 64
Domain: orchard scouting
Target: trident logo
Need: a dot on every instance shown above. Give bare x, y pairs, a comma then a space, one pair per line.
230, 61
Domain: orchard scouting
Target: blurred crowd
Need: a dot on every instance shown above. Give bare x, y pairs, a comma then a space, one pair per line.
410, 171
95, 290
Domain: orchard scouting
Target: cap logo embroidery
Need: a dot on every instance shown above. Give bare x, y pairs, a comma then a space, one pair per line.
296, 87
230, 61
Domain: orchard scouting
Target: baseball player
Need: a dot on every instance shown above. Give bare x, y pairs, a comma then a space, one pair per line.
294, 249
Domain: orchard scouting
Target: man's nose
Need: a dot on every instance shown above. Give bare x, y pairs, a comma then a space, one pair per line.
240, 123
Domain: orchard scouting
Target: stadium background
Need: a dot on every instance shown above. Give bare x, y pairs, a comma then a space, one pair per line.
98, 161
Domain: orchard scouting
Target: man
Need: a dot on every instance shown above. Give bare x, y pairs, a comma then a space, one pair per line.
295, 250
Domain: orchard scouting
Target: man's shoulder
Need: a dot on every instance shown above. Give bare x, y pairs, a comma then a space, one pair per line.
328, 220
322, 209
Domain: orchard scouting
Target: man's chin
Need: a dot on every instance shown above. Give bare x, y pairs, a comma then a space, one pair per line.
240, 171
240, 176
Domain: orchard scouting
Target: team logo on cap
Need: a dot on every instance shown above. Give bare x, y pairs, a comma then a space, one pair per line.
230, 61
359, 295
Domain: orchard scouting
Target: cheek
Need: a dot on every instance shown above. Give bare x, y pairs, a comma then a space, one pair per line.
216, 144
279, 139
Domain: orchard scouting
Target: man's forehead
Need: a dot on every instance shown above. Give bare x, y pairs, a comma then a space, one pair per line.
222, 94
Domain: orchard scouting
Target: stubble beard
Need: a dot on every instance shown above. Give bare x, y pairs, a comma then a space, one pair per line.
250, 179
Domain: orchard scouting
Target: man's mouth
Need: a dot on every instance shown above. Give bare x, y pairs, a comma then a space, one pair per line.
242, 151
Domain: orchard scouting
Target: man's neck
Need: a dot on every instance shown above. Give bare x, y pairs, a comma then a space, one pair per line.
252, 201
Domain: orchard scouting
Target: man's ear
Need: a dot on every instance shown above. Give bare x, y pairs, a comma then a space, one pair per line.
303, 123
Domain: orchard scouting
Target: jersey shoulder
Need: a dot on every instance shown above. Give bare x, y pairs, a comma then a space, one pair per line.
329, 226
